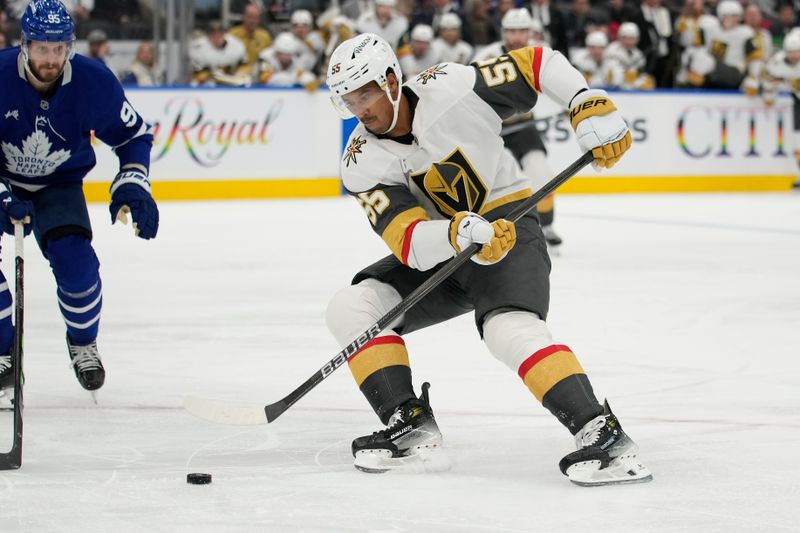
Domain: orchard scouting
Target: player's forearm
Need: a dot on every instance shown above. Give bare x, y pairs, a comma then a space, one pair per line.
135, 153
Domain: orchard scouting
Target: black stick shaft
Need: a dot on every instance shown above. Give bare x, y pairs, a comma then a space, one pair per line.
274, 410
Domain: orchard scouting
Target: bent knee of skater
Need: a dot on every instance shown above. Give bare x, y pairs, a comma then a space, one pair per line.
353, 309
512, 336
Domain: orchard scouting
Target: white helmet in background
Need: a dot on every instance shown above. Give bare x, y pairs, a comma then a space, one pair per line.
358, 61
302, 16
791, 43
729, 8
285, 43
628, 29
597, 39
536, 26
450, 20
517, 19
422, 32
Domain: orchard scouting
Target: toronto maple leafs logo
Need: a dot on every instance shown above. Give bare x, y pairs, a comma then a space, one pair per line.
35, 158
354, 148
13, 114
430, 74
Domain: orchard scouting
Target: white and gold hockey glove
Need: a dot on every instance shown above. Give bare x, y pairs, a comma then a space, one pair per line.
497, 238
599, 127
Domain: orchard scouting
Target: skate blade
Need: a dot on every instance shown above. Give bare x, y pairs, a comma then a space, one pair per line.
623, 470
429, 458
94, 397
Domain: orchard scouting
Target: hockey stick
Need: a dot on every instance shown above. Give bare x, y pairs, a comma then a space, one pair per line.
13, 459
224, 413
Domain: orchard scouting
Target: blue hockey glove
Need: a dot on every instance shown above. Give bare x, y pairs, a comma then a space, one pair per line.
130, 193
12, 209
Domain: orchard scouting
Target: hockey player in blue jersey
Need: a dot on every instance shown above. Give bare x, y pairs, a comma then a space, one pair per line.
51, 101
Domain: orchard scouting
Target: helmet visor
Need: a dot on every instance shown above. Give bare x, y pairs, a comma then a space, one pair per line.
354, 103
46, 50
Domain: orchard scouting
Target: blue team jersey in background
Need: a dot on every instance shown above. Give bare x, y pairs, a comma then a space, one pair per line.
47, 140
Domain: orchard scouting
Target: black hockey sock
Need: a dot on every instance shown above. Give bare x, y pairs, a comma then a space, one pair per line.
388, 388
572, 402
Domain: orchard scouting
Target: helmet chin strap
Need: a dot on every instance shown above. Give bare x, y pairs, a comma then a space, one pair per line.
395, 106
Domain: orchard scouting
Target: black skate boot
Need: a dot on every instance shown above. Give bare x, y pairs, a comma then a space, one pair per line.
87, 365
412, 439
606, 455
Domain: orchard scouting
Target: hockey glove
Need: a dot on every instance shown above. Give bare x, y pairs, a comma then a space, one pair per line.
130, 193
599, 127
497, 237
14, 210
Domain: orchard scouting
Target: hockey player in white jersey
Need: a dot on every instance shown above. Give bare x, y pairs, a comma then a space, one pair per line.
589, 60
384, 20
278, 65
451, 48
429, 168
624, 64
519, 132
727, 54
782, 72
218, 59
419, 54
310, 44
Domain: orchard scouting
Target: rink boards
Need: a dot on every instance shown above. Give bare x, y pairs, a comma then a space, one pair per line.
259, 143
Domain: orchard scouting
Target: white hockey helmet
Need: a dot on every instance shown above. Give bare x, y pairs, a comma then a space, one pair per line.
628, 29
358, 61
729, 8
302, 16
516, 19
450, 20
791, 43
596, 39
388, 3
285, 43
422, 32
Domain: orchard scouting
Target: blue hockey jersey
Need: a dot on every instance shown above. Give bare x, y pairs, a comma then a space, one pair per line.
47, 140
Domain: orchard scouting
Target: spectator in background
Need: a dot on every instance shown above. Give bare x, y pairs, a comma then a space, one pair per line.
516, 27
589, 61
431, 11
762, 42
309, 42
689, 26
624, 64
449, 46
3, 41
576, 20
254, 37
144, 71
619, 11
479, 23
421, 54
383, 19
655, 30
787, 20
278, 65
98, 45
218, 59
553, 23
334, 29
4, 28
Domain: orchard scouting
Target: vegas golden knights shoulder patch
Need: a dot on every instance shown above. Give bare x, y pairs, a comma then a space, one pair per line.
430, 74
353, 149
453, 185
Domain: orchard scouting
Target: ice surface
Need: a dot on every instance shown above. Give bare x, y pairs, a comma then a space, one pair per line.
684, 309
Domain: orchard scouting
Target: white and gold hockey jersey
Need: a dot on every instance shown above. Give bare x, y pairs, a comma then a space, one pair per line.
412, 65
592, 70
624, 68
461, 52
224, 66
780, 74
392, 32
269, 71
735, 46
454, 158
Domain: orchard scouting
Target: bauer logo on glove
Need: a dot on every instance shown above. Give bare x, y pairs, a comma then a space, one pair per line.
599, 127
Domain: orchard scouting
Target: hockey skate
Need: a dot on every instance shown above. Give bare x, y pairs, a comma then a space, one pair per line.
85, 361
605, 455
551, 237
412, 441
6, 382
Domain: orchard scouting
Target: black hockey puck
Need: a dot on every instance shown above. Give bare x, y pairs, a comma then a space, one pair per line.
198, 478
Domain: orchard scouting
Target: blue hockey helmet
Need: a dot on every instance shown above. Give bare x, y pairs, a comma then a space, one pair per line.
47, 20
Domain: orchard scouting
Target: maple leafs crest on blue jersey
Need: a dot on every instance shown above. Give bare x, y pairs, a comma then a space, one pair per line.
47, 140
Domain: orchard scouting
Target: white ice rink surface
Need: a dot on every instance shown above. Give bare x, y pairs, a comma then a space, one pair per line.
684, 309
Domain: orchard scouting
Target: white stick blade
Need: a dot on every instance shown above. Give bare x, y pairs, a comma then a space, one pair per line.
225, 413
